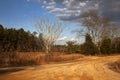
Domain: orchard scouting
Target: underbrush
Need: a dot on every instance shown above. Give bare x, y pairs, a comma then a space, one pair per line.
115, 66
33, 58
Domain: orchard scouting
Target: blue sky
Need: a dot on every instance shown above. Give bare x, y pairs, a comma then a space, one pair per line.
20, 13
25, 13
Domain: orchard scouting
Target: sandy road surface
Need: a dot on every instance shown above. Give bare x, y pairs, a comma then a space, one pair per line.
88, 68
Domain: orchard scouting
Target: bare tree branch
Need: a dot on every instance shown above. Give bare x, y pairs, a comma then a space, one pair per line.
51, 31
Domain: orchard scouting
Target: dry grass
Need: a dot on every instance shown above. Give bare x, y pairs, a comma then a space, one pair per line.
33, 58
21, 59
85, 76
115, 66
58, 57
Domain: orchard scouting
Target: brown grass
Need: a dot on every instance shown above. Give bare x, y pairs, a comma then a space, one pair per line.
58, 57
21, 59
33, 58
85, 76
115, 66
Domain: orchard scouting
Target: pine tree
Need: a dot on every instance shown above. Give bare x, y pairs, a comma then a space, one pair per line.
88, 47
105, 47
41, 42
71, 47
18, 40
1, 37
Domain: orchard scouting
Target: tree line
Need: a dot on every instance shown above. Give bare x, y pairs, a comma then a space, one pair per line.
18, 40
22, 41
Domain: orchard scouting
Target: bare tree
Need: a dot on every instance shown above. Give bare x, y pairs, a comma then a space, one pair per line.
97, 26
114, 31
50, 31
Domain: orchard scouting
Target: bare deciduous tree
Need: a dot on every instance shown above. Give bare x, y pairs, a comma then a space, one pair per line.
50, 31
97, 26
114, 31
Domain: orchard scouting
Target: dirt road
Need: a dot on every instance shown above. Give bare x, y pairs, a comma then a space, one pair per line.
88, 68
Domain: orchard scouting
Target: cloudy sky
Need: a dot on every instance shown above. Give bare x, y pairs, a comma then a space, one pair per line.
70, 10
24, 13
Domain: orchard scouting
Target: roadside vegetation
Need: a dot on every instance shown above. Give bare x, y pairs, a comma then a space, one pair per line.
10, 59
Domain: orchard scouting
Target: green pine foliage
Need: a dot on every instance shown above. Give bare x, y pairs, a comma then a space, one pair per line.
72, 47
18, 40
105, 47
116, 45
41, 42
88, 47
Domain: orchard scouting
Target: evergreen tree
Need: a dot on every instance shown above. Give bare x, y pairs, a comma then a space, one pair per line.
1, 37
88, 47
18, 40
41, 42
105, 47
116, 45
71, 47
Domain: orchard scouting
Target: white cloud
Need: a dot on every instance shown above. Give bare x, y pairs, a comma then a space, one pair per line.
65, 2
62, 38
72, 11
28, 0
50, 7
68, 10
73, 39
63, 15
52, 3
57, 10
44, 2
82, 4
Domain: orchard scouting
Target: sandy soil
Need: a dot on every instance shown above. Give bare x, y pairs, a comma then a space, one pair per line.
88, 68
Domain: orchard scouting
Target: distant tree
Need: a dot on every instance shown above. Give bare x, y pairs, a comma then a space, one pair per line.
72, 47
88, 47
1, 27
59, 48
18, 40
34, 33
41, 42
105, 47
51, 31
1, 37
116, 45
96, 25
